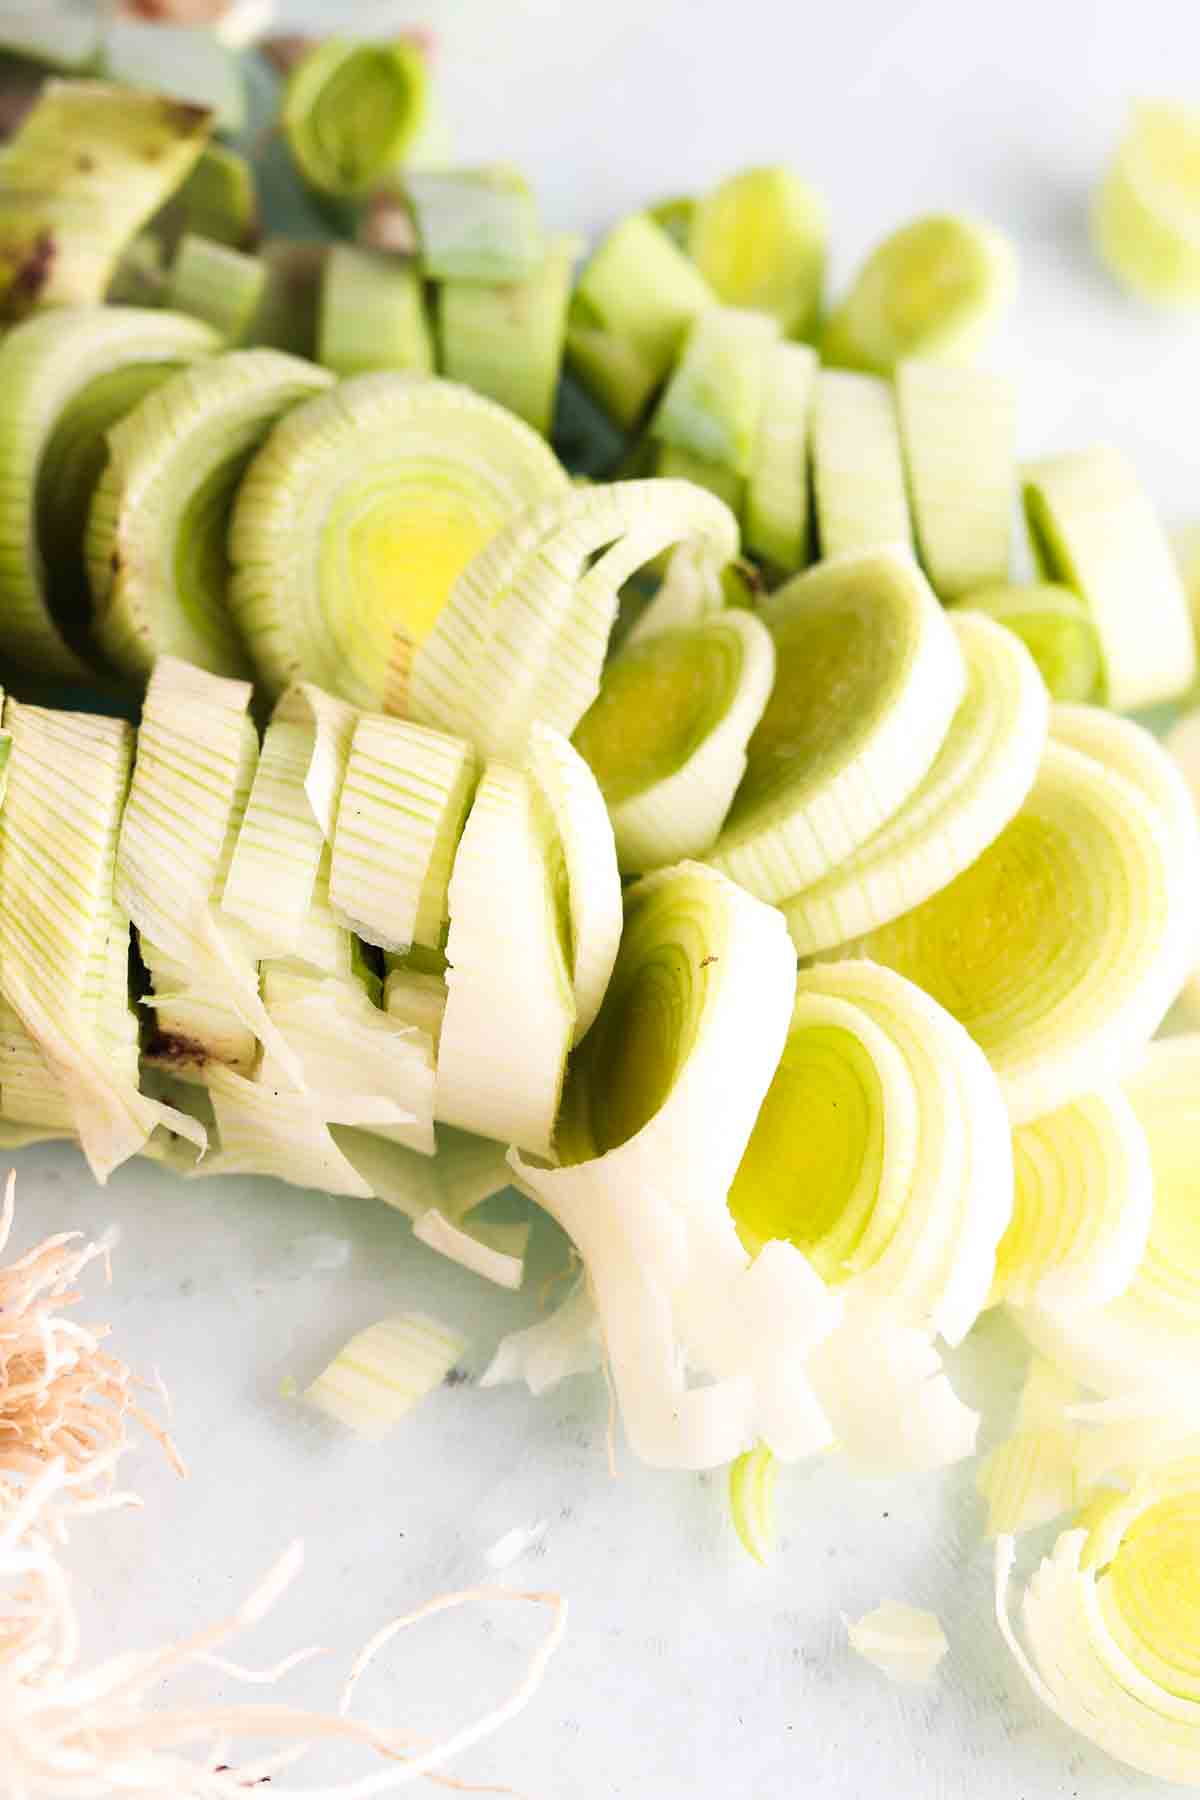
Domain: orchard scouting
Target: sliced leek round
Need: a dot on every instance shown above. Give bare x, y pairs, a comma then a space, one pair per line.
350, 110
859, 487
758, 238
775, 521
935, 287
881, 1150
156, 534
218, 284
958, 429
356, 518
67, 376
666, 736
1146, 214
372, 313
712, 404
1094, 529
1056, 628
979, 778
869, 675
1060, 947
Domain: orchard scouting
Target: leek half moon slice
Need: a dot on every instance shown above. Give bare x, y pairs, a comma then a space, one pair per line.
1056, 628
356, 518
1146, 215
958, 429
978, 780
666, 736
869, 675
350, 110
156, 532
67, 376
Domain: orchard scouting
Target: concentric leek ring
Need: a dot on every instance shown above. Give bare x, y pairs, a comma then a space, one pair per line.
351, 110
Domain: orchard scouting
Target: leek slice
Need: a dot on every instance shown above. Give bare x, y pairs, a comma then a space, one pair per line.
589, 853
475, 224
1094, 528
217, 201
566, 1342
384, 1371
666, 736
775, 522
506, 339
958, 429
273, 871
1055, 627
289, 309
978, 781
525, 632
858, 469
72, 1062
186, 63
752, 1500
1061, 947
1146, 213
655, 1116
85, 171
1031, 1477
510, 1009
416, 998
906, 1642
935, 287
712, 405
351, 110
264, 1129
156, 531
66, 376
224, 287
403, 802
889, 1401
869, 675
882, 1150
372, 314
354, 520
759, 239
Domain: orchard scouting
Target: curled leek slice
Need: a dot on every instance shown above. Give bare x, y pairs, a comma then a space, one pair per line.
758, 238
858, 469
1031, 1477
1094, 529
357, 516
510, 1008
87, 168
1107, 1631
403, 802
1060, 947
979, 779
868, 677
656, 1113
67, 376
156, 531
589, 854
881, 1150
1146, 214
351, 110
666, 736
775, 521
958, 429
1055, 627
935, 287
524, 634
71, 1039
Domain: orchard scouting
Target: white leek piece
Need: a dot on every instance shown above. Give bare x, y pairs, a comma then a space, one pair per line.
906, 1642
858, 469
566, 1342
264, 1128
979, 778
1146, 213
384, 1371
416, 997
666, 736
869, 675
403, 802
752, 1500
712, 405
510, 1009
1031, 1477
589, 854
958, 430
357, 516
775, 520
1094, 528
525, 632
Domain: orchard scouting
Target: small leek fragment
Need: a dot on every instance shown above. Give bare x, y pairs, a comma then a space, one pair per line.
566, 1342
712, 405
506, 339
372, 314
775, 519
185, 63
1031, 1477
958, 431
351, 110
218, 201
675, 217
752, 1500
906, 1642
1056, 628
384, 1371
475, 224
758, 238
859, 484
210, 281
1146, 212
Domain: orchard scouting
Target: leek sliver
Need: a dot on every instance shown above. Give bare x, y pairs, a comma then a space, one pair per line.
869, 675
1031, 1477
1055, 627
276, 859
712, 404
384, 1371
475, 224
213, 282
751, 1500
506, 339
66, 376
666, 736
775, 522
357, 516
1095, 530
156, 535
858, 471
1146, 213
906, 1642
958, 431
758, 238
350, 111
372, 314
978, 780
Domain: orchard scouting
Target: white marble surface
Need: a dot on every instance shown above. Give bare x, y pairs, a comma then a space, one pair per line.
687, 1669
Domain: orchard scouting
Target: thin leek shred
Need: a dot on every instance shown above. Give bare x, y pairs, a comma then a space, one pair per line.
1056, 628
857, 715
752, 1501
958, 429
475, 224
858, 469
979, 779
654, 1119
89, 165
66, 376
524, 635
403, 803
1095, 530
881, 1151
1107, 1624
510, 1009
351, 110
666, 736
220, 285
1146, 213
906, 1642
1062, 946
775, 519
1032, 1476
355, 519
384, 1371
712, 405
64, 943
759, 240
506, 339
372, 314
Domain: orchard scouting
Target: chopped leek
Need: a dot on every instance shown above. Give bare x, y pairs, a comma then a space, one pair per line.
775, 521
858, 469
289, 309
1146, 214
351, 110
372, 314
384, 1371
217, 201
475, 224
224, 287
566, 1342
958, 430
906, 1642
1055, 627
752, 1500
506, 339
186, 63
758, 238
1031, 1477
712, 405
